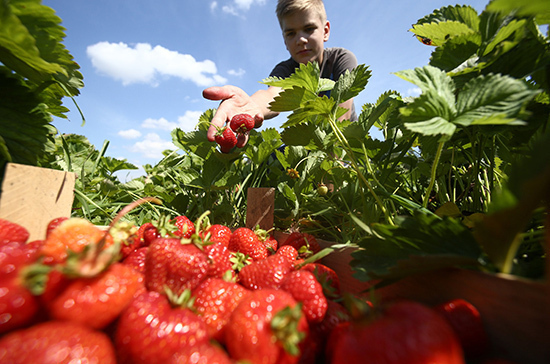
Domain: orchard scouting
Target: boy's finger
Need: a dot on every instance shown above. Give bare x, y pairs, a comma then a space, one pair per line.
217, 93
242, 139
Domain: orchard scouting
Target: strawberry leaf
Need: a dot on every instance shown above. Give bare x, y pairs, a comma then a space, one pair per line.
416, 244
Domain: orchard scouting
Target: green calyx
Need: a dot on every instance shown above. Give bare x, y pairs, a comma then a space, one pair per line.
285, 328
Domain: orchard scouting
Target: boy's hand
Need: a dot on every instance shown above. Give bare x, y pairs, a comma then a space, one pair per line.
233, 101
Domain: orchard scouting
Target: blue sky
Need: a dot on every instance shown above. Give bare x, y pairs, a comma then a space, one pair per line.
145, 63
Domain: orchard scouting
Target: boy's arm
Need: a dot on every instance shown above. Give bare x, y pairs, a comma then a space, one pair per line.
348, 104
236, 101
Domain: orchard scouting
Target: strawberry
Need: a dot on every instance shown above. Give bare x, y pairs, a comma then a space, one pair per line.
152, 330
220, 260
98, 301
185, 227
226, 139
72, 235
205, 353
174, 264
327, 277
147, 232
306, 244
56, 342
267, 327
215, 300
18, 306
289, 251
245, 240
218, 234
305, 288
12, 232
242, 123
402, 332
466, 321
137, 258
267, 273
55, 223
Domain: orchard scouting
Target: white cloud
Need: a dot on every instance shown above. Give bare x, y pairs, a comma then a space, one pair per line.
236, 7
213, 5
144, 63
158, 124
188, 121
129, 134
238, 73
152, 146
414, 92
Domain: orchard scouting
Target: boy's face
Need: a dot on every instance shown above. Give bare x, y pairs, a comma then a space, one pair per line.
304, 34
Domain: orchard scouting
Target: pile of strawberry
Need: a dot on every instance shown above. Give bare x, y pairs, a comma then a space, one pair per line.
184, 292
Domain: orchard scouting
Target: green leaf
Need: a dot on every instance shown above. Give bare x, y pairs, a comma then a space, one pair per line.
416, 244
430, 78
318, 107
350, 84
463, 14
18, 49
535, 8
439, 33
492, 99
291, 99
305, 76
455, 52
433, 126
25, 126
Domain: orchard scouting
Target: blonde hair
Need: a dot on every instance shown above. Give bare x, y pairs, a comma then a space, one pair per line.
287, 7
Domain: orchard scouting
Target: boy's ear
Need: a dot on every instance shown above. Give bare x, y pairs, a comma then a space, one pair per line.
326, 31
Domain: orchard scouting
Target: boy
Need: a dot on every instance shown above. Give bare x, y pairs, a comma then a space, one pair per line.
305, 30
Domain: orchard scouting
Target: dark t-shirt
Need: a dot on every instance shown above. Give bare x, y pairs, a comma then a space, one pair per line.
336, 61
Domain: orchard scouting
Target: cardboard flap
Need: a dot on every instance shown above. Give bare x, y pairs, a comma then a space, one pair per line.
33, 196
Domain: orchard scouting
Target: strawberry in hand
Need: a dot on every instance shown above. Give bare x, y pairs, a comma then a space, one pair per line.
226, 139
242, 123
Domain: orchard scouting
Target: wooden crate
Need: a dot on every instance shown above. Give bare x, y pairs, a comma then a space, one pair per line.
33, 196
515, 311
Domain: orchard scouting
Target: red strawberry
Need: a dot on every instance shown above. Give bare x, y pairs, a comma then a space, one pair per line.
73, 235
226, 139
215, 300
185, 227
203, 353
56, 342
220, 259
218, 234
148, 232
176, 265
289, 251
327, 277
403, 332
267, 327
303, 286
245, 240
306, 244
466, 321
267, 273
151, 330
242, 123
12, 232
55, 223
137, 258
18, 307
96, 302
